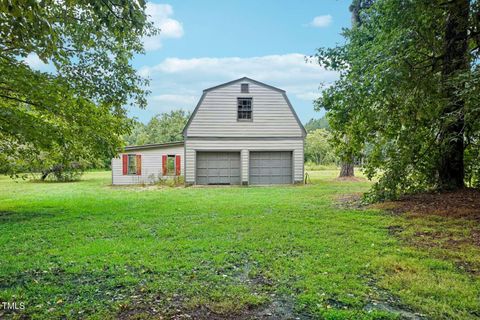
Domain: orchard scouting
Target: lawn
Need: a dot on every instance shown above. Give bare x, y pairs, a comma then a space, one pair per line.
90, 250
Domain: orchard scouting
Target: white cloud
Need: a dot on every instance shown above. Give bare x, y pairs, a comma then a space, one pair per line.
308, 96
178, 83
321, 21
34, 62
176, 99
160, 15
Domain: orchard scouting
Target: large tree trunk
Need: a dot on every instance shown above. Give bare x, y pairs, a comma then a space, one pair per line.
455, 60
347, 169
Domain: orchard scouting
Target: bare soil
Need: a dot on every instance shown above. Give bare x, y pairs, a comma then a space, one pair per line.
457, 204
445, 224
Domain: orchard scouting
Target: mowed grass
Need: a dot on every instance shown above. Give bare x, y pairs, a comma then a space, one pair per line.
90, 250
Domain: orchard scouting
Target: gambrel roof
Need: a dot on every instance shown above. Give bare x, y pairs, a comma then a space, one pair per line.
304, 132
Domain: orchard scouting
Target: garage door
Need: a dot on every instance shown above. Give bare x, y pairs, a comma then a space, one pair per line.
218, 167
274, 167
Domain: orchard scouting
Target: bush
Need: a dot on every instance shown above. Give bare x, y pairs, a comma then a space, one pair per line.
176, 181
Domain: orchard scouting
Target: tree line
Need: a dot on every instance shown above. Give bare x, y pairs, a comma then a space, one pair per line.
161, 128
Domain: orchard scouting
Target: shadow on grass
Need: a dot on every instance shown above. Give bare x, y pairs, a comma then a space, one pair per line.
16, 217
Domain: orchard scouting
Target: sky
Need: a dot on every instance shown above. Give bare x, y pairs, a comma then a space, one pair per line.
206, 43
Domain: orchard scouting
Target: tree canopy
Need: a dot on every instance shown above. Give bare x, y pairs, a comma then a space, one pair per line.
409, 89
314, 124
318, 148
78, 110
164, 127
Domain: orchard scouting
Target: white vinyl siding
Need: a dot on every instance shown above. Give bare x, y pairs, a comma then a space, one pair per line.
244, 146
217, 114
151, 165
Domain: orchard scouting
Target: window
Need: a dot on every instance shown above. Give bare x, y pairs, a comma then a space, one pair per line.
244, 87
171, 165
132, 164
244, 109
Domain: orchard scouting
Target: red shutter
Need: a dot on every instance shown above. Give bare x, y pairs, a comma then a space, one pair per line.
125, 164
139, 164
164, 165
177, 165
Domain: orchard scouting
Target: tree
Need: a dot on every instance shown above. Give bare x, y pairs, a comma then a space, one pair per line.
167, 127
347, 154
455, 61
314, 124
318, 148
409, 88
77, 112
138, 134
164, 127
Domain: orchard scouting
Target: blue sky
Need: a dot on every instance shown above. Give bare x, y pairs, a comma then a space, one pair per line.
206, 43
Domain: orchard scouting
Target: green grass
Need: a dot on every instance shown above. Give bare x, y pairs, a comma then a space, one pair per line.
90, 250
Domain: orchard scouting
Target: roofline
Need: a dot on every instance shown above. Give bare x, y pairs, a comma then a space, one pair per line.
184, 131
243, 79
283, 92
304, 131
155, 145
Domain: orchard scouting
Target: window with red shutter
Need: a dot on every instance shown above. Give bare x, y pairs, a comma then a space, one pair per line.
131, 164
124, 164
139, 164
177, 165
164, 165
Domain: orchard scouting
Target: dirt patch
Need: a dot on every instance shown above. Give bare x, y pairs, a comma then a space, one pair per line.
444, 224
458, 204
456, 208
469, 267
389, 303
140, 313
279, 307
447, 239
350, 201
395, 230
401, 313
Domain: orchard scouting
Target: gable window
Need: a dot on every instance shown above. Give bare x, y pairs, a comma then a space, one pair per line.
244, 111
244, 88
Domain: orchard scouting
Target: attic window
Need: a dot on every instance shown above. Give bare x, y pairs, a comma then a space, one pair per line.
244, 87
244, 109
